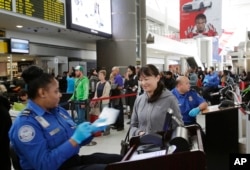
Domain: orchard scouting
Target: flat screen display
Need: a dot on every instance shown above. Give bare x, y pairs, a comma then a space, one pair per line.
91, 16
19, 46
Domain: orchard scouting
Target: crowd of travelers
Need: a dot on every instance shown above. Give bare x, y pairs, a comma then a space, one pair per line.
140, 85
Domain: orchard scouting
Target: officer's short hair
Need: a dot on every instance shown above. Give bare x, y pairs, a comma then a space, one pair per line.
212, 68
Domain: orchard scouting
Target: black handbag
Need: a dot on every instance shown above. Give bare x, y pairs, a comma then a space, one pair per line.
125, 144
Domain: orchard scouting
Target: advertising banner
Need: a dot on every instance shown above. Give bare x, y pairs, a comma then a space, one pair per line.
216, 56
224, 41
199, 18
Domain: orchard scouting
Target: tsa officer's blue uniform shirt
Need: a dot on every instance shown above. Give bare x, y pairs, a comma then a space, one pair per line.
211, 80
40, 138
186, 103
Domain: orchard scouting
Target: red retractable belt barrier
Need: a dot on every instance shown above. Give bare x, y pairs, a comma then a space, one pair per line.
113, 97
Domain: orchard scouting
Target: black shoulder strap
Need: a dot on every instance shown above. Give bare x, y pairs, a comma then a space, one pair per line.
78, 81
168, 122
127, 135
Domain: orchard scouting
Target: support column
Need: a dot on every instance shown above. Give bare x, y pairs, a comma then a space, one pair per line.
143, 19
121, 49
166, 65
183, 65
210, 53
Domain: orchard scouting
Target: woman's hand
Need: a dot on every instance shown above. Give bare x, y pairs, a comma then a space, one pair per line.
141, 133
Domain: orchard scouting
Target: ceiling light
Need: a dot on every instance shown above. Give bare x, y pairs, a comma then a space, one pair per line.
8, 57
23, 59
19, 26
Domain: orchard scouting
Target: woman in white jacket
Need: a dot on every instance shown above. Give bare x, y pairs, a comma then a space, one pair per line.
102, 89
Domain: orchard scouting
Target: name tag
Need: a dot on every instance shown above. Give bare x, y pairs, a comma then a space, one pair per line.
44, 123
55, 131
64, 116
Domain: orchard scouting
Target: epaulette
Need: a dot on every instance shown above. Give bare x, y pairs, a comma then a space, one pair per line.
26, 112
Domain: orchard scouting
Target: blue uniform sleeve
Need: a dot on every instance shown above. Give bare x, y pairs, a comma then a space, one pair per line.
176, 110
205, 79
212, 80
215, 81
199, 99
33, 149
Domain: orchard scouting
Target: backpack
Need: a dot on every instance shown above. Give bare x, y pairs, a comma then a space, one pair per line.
92, 83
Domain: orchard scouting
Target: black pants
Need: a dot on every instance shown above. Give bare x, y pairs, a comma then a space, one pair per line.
96, 161
130, 101
120, 120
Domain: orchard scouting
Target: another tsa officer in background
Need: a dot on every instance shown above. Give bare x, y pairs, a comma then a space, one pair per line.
190, 102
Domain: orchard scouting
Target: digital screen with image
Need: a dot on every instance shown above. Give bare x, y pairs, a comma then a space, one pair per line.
91, 16
19, 46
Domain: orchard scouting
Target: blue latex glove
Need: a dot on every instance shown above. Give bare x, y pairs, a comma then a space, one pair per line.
98, 125
82, 132
205, 81
194, 112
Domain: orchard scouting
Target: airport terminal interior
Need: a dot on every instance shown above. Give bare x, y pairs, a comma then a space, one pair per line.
178, 37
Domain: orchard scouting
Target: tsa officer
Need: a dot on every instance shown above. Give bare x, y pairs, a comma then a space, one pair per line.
45, 137
190, 102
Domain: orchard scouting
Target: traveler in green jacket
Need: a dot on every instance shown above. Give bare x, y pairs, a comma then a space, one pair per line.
81, 94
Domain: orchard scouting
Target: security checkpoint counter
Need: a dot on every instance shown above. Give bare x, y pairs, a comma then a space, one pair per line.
221, 128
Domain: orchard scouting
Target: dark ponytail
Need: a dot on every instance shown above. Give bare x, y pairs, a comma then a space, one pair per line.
35, 78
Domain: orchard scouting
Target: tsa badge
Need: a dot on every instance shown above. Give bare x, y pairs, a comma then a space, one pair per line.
26, 133
190, 98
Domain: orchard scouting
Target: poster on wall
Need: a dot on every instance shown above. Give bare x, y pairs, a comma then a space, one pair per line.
200, 18
224, 45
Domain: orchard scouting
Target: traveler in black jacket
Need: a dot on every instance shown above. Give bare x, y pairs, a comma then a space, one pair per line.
5, 124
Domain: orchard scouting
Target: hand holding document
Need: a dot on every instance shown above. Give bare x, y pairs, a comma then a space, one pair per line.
108, 116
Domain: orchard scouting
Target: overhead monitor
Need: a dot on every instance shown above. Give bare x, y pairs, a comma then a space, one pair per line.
19, 46
91, 16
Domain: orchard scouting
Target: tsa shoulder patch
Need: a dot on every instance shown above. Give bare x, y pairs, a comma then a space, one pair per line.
26, 133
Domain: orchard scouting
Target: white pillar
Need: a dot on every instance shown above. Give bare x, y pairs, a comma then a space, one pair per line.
183, 65
166, 64
11, 67
210, 52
